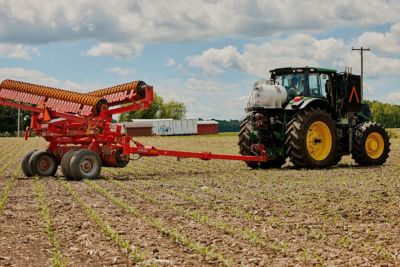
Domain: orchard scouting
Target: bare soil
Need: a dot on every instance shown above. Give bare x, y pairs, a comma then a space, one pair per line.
200, 213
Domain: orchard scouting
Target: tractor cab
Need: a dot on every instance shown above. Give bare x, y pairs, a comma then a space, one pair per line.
306, 82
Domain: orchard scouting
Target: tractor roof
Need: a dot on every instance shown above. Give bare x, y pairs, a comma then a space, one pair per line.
290, 70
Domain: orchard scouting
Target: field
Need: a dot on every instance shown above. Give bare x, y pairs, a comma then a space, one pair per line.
160, 211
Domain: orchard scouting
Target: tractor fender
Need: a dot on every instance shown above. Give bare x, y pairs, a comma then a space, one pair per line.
309, 102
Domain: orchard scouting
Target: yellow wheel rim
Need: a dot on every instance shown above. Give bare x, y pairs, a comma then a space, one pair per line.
374, 145
319, 140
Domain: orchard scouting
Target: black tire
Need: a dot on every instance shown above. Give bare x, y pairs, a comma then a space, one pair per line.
339, 154
273, 163
301, 124
120, 163
364, 134
85, 164
245, 143
26, 168
65, 163
43, 163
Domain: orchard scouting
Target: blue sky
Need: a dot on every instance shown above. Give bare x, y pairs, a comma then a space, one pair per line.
207, 54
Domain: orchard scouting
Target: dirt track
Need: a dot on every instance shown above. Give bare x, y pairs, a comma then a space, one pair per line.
189, 213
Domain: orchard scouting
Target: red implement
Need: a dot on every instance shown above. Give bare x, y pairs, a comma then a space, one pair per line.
80, 132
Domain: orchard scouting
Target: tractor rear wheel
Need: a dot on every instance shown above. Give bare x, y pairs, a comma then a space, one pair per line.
371, 144
85, 164
43, 163
273, 163
26, 168
245, 142
311, 139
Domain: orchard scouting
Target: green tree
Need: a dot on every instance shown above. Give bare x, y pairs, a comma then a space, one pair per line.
386, 114
8, 119
157, 110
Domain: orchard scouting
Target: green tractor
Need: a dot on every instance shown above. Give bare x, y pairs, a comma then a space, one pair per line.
314, 116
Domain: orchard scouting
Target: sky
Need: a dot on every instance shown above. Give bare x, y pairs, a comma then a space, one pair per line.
206, 54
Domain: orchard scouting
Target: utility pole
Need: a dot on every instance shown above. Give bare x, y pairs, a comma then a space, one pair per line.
362, 49
18, 121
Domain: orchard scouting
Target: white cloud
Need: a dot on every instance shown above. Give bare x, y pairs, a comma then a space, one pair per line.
256, 59
17, 51
207, 98
118, 50
214, 61
131, 22
121, 71
170, 62
38, 77
388, 42
296, 50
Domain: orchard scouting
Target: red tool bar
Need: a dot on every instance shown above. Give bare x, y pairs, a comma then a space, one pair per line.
154, 152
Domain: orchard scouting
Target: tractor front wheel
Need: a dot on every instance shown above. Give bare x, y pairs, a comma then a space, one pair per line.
311, 139
371, 144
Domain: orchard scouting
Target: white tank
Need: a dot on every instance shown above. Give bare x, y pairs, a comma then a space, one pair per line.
268, 95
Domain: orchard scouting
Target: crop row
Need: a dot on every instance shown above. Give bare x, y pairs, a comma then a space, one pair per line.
134, 254
7, 189
10, 182
57, 259
215, 205
12, 157
243, 232
170, 232
6, 150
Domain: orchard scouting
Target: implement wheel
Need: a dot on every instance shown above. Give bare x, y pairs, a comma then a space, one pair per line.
371, 144
43, 163
26, 168
65, 162
85, 164
311, 139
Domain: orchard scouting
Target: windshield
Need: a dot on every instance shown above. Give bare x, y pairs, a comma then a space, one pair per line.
300, 84
294, 84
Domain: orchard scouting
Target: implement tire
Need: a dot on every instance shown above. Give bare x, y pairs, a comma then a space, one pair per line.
43, 163
26, 168
85, 164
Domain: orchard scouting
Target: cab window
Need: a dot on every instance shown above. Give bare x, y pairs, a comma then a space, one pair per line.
318, 84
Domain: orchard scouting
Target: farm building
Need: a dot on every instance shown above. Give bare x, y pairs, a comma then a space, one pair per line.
139, 128
207, 127
166, 127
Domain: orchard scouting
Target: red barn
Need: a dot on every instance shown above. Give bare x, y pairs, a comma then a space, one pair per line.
207, 127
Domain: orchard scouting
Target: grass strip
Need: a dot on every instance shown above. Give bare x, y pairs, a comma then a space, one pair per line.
56, 257
134, 254
172, 233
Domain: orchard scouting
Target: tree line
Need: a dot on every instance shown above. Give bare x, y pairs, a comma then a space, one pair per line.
386, 114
